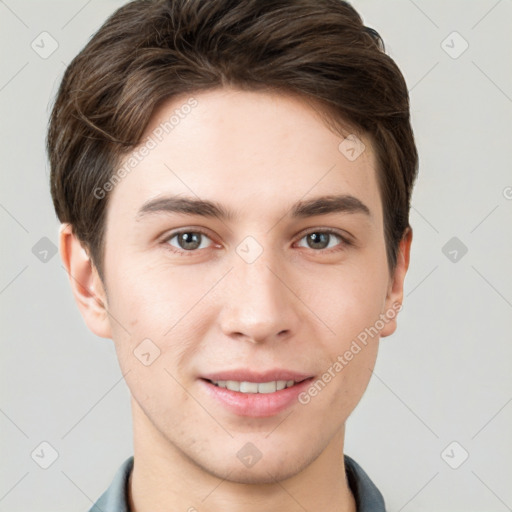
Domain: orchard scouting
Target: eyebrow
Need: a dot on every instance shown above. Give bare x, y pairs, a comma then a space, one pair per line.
323, 205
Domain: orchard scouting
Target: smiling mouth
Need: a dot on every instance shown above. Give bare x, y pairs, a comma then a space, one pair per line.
255, 387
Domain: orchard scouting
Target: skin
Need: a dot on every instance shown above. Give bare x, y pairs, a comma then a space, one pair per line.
297, 306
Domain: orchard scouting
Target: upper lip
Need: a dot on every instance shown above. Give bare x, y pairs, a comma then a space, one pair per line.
244, 375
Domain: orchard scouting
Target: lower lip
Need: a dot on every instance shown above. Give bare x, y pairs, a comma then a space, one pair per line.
256, 405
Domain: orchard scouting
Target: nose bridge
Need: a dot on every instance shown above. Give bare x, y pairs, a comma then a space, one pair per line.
258, 304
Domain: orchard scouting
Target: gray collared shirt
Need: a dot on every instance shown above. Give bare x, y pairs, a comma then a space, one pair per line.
368, 497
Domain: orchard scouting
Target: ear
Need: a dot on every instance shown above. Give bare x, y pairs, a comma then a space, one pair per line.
85, 283
395, 294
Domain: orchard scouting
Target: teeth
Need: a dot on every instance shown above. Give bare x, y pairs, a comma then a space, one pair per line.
281, 384
267, 387
249, 387
254, 387
233, 385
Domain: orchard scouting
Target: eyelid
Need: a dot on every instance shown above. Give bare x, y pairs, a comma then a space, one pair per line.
346, 241
324, 229
192, 229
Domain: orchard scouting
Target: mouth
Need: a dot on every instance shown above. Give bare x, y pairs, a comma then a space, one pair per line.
255, 387
255, 396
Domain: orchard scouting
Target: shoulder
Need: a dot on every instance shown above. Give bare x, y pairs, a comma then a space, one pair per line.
366, 494
114, 499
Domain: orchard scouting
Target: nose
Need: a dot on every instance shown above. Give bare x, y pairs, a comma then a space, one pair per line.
259, 303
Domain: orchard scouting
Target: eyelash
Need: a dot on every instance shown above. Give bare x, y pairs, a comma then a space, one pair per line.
345, 242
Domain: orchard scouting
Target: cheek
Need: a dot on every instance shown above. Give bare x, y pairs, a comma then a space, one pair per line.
350, 304
351, 381
153, 298
154, 320
349, 299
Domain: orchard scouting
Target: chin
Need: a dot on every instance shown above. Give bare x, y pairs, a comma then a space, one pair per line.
265, 473
266, 470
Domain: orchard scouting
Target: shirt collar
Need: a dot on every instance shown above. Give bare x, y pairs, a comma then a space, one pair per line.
367, 497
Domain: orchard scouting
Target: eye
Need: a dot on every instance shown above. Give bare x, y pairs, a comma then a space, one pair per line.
321, 239
190, 241
187, 241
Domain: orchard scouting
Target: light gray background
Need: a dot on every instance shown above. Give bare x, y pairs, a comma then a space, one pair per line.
444, 376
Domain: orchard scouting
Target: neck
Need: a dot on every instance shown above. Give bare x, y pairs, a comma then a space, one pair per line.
164, 478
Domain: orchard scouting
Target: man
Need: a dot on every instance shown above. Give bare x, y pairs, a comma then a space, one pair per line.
233, 180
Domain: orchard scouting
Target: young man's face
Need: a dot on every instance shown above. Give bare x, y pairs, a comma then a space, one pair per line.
254, 298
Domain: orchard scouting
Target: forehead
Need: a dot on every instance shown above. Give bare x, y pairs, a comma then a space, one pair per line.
245, 149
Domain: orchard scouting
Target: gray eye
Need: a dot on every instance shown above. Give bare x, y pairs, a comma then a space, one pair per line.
188, 240
321, 239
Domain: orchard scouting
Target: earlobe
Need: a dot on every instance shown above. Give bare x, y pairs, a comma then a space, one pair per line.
85, 283
395, 293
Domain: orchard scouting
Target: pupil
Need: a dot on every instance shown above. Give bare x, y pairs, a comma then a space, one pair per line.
316, 237
187, 240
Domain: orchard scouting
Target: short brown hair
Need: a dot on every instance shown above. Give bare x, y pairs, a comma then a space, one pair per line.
152, 50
